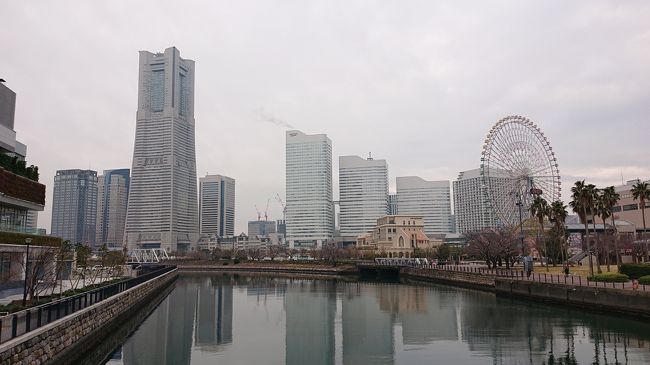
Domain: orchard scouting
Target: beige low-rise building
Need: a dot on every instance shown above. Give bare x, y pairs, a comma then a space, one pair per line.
397, 236
629, 209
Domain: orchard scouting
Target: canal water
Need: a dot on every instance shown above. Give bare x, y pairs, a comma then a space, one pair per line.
241, 319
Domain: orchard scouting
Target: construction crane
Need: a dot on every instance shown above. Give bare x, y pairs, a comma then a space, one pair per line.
266, 211
284, 206
259, 215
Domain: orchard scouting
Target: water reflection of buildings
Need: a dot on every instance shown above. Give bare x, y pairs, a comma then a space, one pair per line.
426, 314
200, 306
311, 310
379, 323
435, 317
213, 315
168, 330
367, 328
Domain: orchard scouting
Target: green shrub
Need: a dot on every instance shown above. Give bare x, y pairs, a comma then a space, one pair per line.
18, 167
635, 271
644, 280
610, 277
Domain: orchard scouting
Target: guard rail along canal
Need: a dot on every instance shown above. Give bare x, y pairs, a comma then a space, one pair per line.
54, 332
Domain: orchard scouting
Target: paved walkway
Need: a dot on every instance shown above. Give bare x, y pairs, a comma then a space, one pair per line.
9, 295
517, 274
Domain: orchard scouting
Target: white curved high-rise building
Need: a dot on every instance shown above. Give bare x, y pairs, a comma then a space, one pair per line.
429, 199
363, 194
163, 210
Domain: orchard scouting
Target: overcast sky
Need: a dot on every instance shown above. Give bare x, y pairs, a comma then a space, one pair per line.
418, 83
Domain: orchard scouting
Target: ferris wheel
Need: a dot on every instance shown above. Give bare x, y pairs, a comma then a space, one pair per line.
517, 165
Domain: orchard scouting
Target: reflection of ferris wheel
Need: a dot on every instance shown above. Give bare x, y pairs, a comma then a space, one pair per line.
518, 164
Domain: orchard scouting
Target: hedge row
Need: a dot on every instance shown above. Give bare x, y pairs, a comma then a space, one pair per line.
635, 271
15, 238
610, 277
644, 280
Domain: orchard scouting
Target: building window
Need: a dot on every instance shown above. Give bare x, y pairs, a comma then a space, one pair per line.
182, 110
157, 90
616, 209
628, 207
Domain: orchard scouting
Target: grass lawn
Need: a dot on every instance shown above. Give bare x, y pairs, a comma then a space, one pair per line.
575, 270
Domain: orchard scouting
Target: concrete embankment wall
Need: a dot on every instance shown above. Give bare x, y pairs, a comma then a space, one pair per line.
61, 341
608, 299
315, 270
460, 278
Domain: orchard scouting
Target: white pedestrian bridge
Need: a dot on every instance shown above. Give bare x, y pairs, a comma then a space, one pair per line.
147, 256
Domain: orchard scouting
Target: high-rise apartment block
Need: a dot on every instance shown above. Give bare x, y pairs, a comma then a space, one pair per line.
217, 205
363, 187
310, 209
260, 228
162, 210
472, 208
74, 206
112, 201
429, 199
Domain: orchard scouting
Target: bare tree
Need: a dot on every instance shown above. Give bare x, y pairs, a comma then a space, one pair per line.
254, 253
494, 246
275, 251
40, 270
241, 255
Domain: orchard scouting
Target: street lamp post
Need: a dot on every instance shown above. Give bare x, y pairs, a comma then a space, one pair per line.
28, 240
521, 226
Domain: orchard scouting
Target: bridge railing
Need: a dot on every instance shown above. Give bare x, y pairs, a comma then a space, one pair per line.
423, 263
147, 256
20, 323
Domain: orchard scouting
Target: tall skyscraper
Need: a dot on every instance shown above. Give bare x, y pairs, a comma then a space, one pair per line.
363, 186
429, 199
217, 205
310, 210
74, 206
112, 201
472, 209
162, 210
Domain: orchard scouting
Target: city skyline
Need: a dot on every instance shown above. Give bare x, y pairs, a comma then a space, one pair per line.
597, 82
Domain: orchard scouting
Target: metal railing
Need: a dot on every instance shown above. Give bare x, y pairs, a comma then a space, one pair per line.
514, 274
20, 323
575, 280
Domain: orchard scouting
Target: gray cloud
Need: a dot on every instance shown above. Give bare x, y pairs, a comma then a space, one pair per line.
418, 83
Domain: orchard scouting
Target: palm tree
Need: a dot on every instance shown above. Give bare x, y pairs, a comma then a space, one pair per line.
595, 196
582, 199
604, 212
641, 192
610, 198
539, 209
558, 214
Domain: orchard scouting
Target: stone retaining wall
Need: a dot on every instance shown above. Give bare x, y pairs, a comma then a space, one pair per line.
319, 270
469, 279
54, 342
609, 299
